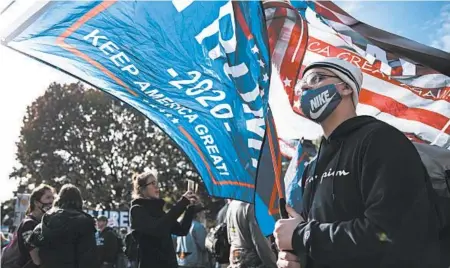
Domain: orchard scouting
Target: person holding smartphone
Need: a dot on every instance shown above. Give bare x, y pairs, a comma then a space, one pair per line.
152, 227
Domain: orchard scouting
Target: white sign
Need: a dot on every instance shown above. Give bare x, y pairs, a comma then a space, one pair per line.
115, 218
22, 203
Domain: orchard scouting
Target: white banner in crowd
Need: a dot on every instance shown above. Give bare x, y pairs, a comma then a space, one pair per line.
22, 202
115, 218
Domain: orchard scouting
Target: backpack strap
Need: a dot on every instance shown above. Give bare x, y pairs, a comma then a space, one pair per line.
133, 232
135, 236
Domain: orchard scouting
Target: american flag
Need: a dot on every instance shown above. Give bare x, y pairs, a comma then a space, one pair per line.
403, 89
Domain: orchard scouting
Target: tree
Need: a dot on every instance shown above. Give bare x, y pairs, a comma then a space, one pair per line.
82, 136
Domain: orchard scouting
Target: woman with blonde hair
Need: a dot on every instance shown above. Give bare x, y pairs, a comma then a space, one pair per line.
152, 227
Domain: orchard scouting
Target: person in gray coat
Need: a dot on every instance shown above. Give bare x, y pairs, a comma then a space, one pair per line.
249, 247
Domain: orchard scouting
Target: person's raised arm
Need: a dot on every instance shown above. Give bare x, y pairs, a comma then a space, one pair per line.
182, 228
142, 222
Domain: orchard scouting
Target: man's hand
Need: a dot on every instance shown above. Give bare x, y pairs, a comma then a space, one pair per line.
284, 229
288, 260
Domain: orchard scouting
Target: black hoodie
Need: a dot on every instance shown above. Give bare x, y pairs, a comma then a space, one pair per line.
66, 239
367, 202
152, 228
108, 246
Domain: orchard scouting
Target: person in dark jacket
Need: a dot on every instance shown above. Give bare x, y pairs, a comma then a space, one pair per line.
107, 244
366, 198
66, 235
131, 250
152, 227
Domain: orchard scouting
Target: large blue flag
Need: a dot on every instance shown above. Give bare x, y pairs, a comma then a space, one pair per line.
199, 70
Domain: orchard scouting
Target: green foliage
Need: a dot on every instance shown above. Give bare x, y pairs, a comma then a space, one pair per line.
85, 137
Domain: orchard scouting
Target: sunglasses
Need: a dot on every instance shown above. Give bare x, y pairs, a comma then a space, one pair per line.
154, 183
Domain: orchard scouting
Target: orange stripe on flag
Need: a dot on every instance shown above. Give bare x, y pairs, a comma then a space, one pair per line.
273, 201
60, 41
202, 156
241, 20
92, 13
276, 161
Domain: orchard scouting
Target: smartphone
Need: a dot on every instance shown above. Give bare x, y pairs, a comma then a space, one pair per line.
192, 186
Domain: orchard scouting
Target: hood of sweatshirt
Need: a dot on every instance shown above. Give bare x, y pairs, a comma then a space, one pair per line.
63, 224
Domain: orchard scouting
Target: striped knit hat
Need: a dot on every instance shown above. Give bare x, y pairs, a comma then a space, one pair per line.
346, 71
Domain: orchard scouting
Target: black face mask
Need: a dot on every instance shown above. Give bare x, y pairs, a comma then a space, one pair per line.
45, 206
320, 103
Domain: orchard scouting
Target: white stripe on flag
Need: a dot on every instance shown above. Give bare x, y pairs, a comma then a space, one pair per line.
408, 126
283, 41
255, 144
442, 132
258, 113
252, 95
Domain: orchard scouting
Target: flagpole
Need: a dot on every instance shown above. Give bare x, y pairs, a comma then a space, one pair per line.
7, 7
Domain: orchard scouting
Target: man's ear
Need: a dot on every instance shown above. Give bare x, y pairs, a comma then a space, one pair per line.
344, 89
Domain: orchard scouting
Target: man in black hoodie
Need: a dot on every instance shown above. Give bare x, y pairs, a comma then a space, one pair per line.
107, 244
366, 200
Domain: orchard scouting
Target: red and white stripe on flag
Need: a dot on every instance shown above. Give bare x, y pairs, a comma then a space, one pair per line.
416, 105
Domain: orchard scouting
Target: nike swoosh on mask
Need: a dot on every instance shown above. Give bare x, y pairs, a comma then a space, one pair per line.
315, 115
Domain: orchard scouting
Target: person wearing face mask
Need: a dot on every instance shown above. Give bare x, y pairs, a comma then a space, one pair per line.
41, 200
366, 201
66, 235
152, 227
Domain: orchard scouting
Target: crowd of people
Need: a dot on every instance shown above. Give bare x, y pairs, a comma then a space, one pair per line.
57, 233
356, 212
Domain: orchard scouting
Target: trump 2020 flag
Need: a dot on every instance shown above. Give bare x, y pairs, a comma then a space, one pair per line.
199, 70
